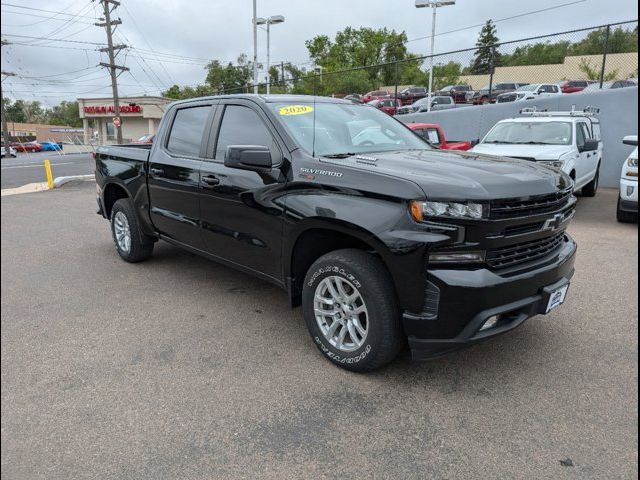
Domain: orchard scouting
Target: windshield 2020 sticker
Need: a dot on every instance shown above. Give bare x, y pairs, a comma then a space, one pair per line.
295, 110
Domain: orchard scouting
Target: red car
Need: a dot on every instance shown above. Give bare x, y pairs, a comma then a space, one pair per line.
387, 105
573, 86
433, 133
377, 95
27, 147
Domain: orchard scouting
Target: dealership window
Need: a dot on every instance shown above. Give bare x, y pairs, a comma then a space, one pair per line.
187, 130
243, 126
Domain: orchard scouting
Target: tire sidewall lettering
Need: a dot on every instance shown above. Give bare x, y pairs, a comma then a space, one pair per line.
340, 359
333, 269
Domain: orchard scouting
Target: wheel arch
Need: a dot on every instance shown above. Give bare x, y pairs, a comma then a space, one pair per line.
113, 192
319, 237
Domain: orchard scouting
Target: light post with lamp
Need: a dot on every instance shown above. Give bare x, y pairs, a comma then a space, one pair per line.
434, 4
274, 20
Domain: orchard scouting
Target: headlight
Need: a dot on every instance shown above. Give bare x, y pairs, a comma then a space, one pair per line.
632, 162
424, 210
553, 163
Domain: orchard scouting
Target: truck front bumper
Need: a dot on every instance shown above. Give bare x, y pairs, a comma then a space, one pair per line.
469, 300
629, 195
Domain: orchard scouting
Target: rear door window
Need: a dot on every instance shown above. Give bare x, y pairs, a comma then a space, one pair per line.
185, 138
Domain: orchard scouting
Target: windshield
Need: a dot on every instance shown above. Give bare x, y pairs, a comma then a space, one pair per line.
345, 129
531, 133
528, 88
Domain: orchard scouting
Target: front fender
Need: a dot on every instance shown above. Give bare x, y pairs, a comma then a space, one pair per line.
382, 224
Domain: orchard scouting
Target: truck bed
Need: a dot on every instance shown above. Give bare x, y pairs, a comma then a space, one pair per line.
138, 152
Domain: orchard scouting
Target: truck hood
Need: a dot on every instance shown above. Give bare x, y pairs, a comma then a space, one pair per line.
539, 152
450, 175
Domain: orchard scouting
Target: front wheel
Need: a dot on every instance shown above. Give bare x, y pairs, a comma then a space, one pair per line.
351, 310
132, 245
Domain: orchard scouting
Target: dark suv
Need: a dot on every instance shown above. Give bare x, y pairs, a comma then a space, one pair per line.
411, 95
486, 95
458, 92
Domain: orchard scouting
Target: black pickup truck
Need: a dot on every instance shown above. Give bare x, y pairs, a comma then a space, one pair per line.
381, 238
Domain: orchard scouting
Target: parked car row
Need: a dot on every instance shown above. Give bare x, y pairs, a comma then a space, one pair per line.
416, 99
35, 146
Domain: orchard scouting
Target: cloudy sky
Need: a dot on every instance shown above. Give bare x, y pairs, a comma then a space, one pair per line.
174, 39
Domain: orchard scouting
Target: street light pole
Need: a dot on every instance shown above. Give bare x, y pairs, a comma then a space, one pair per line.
274, 20
255, 47
268, 57
433, 4
433, 40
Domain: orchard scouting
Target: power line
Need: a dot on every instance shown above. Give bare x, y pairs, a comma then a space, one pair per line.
46, 11
52, 39
499, 20
146, 41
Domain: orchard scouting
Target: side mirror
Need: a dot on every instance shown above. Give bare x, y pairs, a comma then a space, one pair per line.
631, 140
248, 157
590, 145
475, 142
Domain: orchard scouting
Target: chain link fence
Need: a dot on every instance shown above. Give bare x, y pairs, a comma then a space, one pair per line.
604, 56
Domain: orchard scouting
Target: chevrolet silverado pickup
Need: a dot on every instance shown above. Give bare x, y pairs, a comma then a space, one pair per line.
383, 240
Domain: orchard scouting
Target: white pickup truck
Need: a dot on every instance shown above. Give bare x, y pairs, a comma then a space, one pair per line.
628, 199
570, 141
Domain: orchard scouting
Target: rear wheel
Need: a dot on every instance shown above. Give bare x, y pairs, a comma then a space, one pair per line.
351, 310
590, 189
132, 245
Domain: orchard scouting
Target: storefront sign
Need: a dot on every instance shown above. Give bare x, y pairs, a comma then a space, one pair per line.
109, 109
66, 130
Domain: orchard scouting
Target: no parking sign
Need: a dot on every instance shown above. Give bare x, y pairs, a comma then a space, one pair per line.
116, 122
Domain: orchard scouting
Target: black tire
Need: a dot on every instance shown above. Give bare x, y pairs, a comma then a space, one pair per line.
590, 189
625, 217
384, 338
141, 246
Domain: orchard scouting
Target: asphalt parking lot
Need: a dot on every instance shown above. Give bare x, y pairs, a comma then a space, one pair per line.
29, 167
182, 368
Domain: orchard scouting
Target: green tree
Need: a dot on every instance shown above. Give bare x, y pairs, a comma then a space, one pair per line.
229, 78
15, 110
482, 61
621, 40
361, 47
593, 72
538, 54
446, 74
66, 113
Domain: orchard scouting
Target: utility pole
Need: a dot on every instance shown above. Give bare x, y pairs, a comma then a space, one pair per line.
5, 127
111, 49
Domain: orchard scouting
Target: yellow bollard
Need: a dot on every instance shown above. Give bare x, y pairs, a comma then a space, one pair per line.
47, 169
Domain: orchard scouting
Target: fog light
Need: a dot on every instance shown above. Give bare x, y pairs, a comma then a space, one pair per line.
492, 322
630, 191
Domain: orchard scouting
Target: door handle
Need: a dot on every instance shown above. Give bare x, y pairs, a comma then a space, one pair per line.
211, 180
156, 171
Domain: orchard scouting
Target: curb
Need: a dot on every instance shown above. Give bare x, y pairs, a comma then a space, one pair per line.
60, 181
28, 188
43, 186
